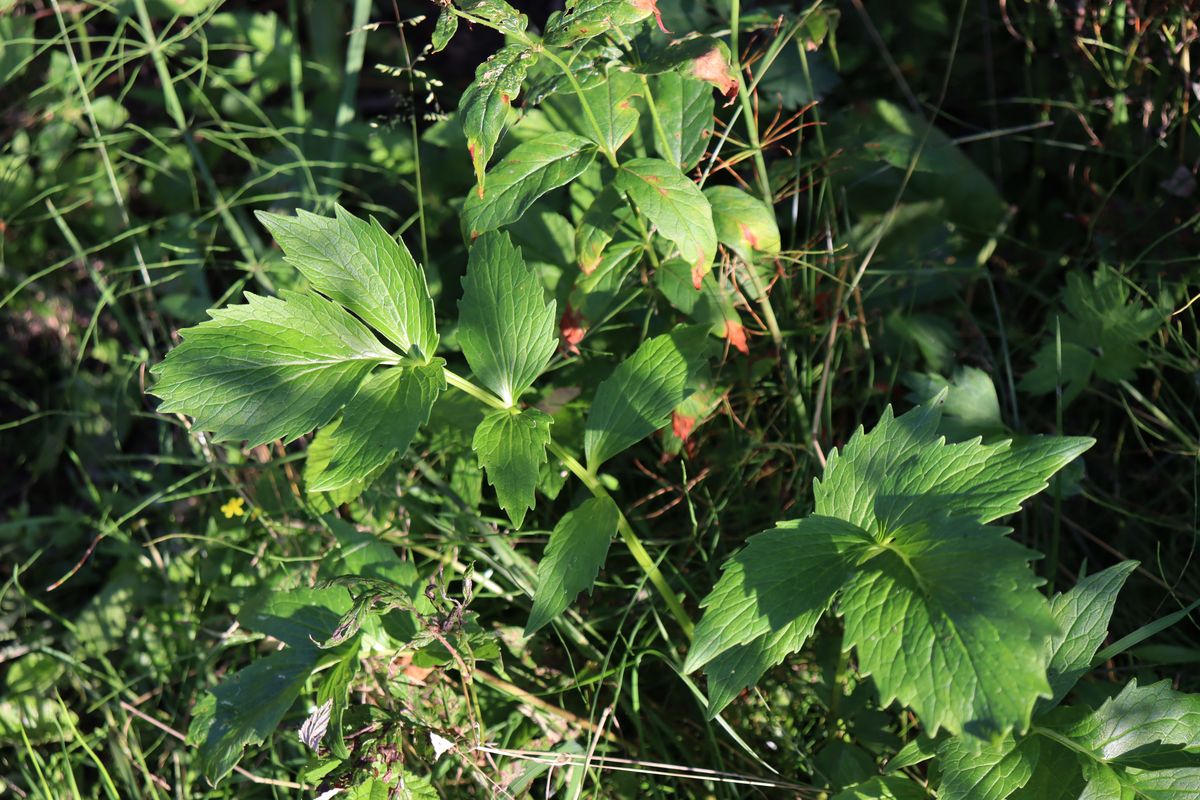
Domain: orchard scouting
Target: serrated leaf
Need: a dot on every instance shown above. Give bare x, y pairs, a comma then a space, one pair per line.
359, 265
248, 706
506, 326
637, 398
269, 369
1102, 334
511, 448
979, 771
786, 576
675, 206
586, 19
964, 648
743, 223
529, 171
380, 422
443, 32
576, 551
611, 103
1138, 723
486, 102
320, 451
879, 476
883, 787
685, 110
741, 666
1082, 615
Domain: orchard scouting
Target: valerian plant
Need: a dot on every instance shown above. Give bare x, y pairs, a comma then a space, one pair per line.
939, 606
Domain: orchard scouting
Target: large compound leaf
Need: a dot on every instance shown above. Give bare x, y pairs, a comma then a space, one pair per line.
1142, 725
637, 398
506, 326
512, 448
685, 110
529, 171
1082, 615
576, 551
677, 208
1102, 334
948, 619
879, 476
770, 597
269, 369
485, 103
379, 422
359, 265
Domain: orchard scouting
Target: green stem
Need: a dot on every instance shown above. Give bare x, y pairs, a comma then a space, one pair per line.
587, 109
760, 167
589, 479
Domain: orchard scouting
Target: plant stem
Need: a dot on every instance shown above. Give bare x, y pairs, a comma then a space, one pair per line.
589, 479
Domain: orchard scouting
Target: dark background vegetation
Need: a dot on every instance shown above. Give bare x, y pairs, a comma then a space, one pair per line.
119, 572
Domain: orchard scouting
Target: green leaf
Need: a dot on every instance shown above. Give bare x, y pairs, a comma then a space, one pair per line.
711, 305
499, 13
978, 771
744, 223
506, 327
685, 111
269, 369
576, 551
380, 422
962, 647
785, 576
1082, 615
1138, 724
512, 447
585, 19
612, 107
1102, 334
248, 706
485, 103
529, 171
359, 265
320, 451
676, 207
971, 407
903, 461
1056, 775
297, 617
741, 666
447, 25
598, 227
1069, 367
884, 787
637, 398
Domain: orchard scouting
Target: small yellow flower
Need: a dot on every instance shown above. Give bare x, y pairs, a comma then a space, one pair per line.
236, 507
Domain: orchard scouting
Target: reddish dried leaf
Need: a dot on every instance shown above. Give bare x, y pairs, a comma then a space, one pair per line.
682, 425
736, 334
